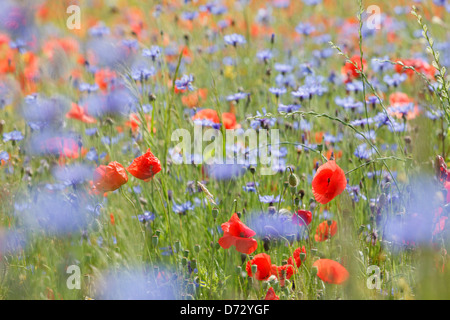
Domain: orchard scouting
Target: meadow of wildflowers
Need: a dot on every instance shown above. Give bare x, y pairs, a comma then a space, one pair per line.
224, 149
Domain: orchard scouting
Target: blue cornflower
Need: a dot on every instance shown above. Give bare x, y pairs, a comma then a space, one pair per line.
237, 96
189, 15
92, 155
90, 131
364, 151
234, 39
288, 108
355, 86
146, 217
12, 136
153, 52
302, 93
88, 87
270, 199
182, 208
305, 28
285, 80
283, 68
277, 91
348, 103
433, 114
4, 156
395, 80
250, 187
142, 74
185, 82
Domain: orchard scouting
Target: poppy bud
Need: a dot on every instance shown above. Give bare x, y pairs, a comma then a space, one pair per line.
286, 184
155, 241
193, 263
302, 256
197, 248
217, 245
293, 180
238, 270
177, 246
184, 261
252, 170
314, 270
215, 213
254, 268
186, 253
297, 201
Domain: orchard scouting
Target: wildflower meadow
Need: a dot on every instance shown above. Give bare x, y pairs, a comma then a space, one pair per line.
237, 150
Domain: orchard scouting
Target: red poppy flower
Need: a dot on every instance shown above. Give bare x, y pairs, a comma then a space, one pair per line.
229, 121
331, 271
104, 78
262, 261
302, 217
79, 113
271, 295
145, 167
239, 235
324, 232
135, 122
328, 182
207, 114
110, 177
282, 272
349, 69
418, 64
297, 259
228, 118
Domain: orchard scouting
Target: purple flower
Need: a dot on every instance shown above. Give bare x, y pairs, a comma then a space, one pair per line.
146, 217
277, 91
12, 136
153, 52
234, 39
185, 82
270, 199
